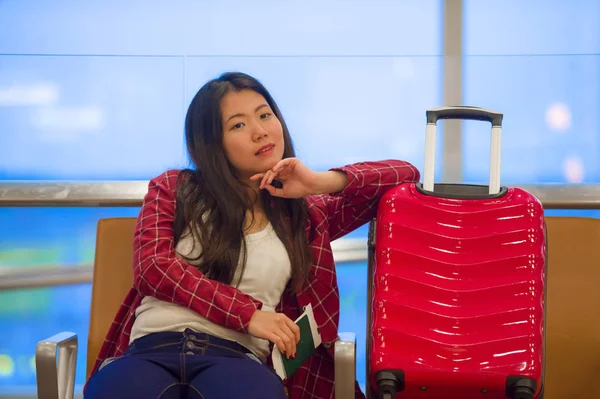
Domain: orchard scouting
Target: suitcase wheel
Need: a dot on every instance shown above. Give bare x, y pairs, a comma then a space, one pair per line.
518, 387
389, 382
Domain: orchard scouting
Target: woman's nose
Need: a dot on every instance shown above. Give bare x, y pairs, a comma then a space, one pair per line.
259, 132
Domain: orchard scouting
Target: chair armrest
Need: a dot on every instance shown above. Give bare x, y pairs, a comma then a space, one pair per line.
345, 366
55, 370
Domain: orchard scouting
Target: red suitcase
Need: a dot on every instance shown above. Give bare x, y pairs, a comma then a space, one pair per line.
457, 286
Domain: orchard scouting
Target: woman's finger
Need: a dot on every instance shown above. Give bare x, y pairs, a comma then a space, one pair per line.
273, 176
291, 343
257, 176
287, 170
286, 173
274, 191
282, 164
276, 339
294, 328
288, 342
265, 179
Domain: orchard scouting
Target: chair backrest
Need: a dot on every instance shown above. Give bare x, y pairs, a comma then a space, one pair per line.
113, 278
573, 308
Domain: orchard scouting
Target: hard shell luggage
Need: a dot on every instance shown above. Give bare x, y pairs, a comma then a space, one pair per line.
457, 285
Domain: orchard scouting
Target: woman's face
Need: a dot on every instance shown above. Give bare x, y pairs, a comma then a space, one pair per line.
252, 134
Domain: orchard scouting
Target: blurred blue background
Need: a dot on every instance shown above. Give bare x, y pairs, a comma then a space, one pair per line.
97, 90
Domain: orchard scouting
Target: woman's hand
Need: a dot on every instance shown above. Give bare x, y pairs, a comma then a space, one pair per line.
299, 181
276, 328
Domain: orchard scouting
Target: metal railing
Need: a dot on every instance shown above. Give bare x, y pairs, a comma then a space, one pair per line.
131, 194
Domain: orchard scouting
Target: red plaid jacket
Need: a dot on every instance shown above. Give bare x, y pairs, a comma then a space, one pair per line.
159, 272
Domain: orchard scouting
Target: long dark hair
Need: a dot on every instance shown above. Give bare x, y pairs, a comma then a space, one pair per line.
212, 202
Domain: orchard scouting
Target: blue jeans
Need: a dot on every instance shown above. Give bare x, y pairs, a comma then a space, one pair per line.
186, 365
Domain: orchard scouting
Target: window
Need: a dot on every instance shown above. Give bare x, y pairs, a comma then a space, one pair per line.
89, 102
540, 66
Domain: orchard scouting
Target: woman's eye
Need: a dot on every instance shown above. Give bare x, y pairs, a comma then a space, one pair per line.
238, 125
265, 115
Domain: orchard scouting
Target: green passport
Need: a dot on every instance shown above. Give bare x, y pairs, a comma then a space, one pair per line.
310, 339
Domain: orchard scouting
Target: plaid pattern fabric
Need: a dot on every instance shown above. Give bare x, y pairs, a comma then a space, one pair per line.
160, 273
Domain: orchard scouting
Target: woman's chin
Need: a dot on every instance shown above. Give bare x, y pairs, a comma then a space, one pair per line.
269, 163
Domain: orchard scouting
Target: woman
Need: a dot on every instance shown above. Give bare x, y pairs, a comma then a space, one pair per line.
228, 253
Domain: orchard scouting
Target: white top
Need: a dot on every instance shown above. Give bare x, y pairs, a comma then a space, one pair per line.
267, 273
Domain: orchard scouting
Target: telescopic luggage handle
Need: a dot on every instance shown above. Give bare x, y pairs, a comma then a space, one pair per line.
464, 113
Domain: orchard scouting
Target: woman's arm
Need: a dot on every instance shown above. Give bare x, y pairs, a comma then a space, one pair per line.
355, 202
357, 188
160, 273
